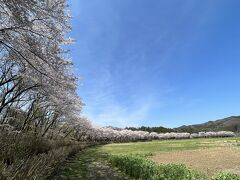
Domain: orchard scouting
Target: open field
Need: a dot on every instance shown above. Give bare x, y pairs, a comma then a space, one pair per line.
209, 161
154, 147
208, 156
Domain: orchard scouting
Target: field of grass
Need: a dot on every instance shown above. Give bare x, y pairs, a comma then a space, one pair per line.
153, 147
204, 157
208, 156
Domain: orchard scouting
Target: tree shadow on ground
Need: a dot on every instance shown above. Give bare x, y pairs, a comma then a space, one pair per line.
89, 164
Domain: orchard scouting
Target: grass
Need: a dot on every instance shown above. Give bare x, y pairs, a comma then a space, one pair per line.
208, 156
153, 147
93, 163
138, 167
27, 156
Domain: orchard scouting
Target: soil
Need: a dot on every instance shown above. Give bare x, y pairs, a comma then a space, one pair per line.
209, 161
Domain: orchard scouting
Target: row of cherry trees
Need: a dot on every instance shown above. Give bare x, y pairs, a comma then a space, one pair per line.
37, 87
88, 132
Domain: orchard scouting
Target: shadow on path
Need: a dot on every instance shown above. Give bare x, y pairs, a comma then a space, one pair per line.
89, 164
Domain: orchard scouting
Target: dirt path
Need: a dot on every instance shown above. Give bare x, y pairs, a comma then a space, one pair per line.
89, 165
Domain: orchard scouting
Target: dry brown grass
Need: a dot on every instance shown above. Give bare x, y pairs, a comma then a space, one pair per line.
209, 161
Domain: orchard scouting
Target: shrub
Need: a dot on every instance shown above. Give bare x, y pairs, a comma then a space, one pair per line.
226, 176
27, 156
138, 167
135, 166
176, 172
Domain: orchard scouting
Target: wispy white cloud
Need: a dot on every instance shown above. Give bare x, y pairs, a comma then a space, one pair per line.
132, 63
118, 115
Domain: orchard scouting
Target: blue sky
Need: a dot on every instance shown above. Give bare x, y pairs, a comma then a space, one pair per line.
157, 62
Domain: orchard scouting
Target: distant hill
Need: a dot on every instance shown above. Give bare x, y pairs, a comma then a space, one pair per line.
227, 124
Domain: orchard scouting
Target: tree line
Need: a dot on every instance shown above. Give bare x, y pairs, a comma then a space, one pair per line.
39, 106
159, 129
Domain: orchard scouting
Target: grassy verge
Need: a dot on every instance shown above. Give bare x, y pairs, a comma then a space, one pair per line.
138, 167
27, 156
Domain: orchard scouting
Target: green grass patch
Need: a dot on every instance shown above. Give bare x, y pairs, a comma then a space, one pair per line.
226, 176
167, 145
139, 167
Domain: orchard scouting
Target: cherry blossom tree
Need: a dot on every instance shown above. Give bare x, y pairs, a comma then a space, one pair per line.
35, 75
